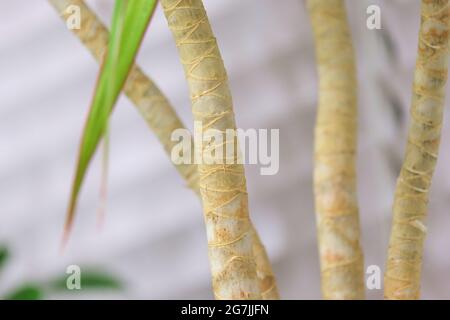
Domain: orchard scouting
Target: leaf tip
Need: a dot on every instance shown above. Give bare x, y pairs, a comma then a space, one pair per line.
67, 227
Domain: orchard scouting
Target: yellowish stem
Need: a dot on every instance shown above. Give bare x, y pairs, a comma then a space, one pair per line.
161, 118
341, 258
222, 186
402, 277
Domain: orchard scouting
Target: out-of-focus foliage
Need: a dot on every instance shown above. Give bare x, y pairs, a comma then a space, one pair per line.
90, 280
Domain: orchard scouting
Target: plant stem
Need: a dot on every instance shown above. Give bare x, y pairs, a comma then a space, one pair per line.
341, 257
402, 277
162, 120
222, 186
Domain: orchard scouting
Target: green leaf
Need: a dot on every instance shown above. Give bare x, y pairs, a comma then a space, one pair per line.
130, 20
91, 280
26, 292
4, 255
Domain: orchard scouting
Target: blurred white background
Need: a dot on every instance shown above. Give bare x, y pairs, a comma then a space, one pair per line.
154, 238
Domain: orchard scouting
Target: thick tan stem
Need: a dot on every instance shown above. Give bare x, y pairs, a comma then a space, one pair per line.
222, 186
402, 277
161, 118
341, 258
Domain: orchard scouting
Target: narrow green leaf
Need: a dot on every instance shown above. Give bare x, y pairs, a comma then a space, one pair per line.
129, 22
26, 292
90, 280
104, 179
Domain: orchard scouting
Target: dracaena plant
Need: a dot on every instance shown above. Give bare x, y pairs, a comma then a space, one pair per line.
228, 257
240, 266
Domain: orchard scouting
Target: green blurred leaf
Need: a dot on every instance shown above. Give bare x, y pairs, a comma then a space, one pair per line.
4, 255
26, 292
91, 280
130, 20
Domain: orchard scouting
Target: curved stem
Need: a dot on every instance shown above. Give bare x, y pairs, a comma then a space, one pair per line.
222, 186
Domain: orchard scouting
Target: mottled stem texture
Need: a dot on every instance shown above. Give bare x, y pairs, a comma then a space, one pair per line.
402, 277
341, 258
161, 118
222, 186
